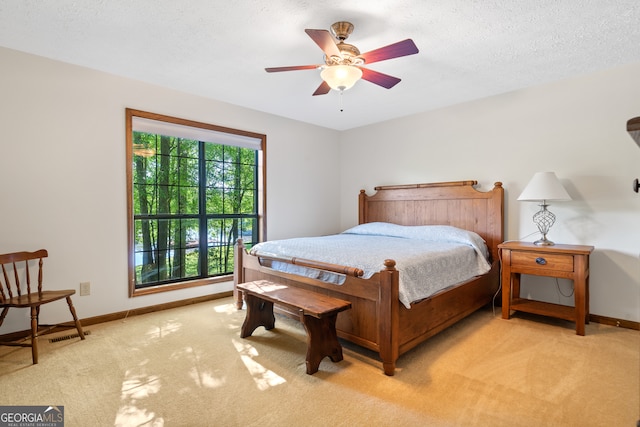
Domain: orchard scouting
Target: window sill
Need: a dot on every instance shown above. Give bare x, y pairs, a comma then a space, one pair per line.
177, 286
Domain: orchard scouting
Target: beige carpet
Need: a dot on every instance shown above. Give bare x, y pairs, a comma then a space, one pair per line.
188, 367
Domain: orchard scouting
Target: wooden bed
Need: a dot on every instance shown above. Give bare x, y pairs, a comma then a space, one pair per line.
378, 320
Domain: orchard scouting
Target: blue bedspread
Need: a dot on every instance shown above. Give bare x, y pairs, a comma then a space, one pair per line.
429, 258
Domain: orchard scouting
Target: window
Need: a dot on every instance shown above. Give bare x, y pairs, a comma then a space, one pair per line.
193, 190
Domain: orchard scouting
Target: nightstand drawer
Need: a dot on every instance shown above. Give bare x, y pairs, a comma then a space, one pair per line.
542, 261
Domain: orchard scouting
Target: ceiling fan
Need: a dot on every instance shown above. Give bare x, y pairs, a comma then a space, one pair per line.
344, 64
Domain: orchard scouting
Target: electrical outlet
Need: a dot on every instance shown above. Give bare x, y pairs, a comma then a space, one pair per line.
85, 289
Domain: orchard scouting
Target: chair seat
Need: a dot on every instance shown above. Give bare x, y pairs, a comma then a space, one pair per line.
35, 298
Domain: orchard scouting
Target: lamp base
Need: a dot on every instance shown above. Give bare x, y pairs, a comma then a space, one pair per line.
544, 219
543, 242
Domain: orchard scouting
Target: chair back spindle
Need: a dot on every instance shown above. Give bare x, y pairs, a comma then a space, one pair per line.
2, 286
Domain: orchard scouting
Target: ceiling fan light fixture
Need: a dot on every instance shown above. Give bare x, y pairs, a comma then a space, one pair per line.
341, 77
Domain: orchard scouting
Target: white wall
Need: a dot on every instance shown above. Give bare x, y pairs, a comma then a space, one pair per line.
576, 128
62, 168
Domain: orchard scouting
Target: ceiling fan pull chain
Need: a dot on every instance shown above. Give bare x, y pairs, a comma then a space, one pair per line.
341, 107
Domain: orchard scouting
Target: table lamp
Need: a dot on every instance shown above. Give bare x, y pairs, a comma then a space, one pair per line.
543, 187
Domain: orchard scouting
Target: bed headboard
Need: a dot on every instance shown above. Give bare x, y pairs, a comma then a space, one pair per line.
457, 204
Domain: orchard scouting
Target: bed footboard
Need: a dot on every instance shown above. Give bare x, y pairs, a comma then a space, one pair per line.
373, 321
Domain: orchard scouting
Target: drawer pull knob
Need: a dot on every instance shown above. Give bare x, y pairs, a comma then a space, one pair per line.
541, 261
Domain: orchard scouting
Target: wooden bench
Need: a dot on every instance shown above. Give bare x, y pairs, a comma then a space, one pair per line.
318, 314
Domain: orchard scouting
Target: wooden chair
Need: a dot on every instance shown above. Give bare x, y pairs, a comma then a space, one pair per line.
15, 266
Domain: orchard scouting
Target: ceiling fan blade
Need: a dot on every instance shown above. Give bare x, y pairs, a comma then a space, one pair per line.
323, 89
396, 50
292, 68
378, 78
325, 40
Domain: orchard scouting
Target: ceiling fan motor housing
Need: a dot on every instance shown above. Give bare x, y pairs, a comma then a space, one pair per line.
350, 55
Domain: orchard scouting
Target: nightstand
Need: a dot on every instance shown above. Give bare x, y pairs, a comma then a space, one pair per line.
560, 261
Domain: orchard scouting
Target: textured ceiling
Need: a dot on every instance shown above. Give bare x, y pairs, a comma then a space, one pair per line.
469, 49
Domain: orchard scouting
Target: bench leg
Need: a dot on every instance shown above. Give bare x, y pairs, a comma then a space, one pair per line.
259, 313
322, 341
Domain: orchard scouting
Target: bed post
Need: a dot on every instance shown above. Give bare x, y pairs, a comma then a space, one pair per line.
496, 227
362, 207
238, 271
388, 316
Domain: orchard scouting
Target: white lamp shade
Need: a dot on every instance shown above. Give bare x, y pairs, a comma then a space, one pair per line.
341, 77
544, 186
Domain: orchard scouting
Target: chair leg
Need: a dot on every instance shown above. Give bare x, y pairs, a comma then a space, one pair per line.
34, 334
75, 318
3, 315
